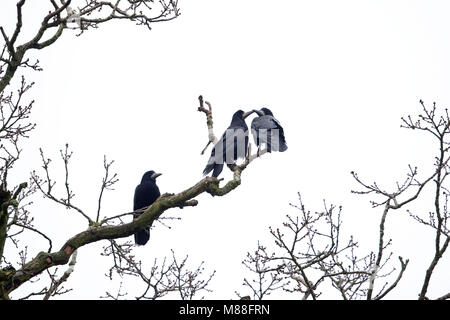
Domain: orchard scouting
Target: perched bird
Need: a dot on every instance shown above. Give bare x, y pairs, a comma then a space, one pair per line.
232, 145
267, 130
145, 194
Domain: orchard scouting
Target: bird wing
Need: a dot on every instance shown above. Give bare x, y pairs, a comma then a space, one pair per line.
264, 129
236, 144
278, 126
276, 123
145, 194
265, 122
136, 197
261, 127
231, 146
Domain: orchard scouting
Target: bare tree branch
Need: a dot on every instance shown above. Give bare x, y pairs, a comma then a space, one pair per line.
107, 183
55, 288
164, 277
48, 192
438, 126
90, 15
44, 260
268, 277
309, 253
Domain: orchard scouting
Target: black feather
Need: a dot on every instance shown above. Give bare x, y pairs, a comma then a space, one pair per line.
144, 195
268, 130
231, 146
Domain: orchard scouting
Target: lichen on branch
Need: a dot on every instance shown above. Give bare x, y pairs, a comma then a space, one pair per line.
97, 231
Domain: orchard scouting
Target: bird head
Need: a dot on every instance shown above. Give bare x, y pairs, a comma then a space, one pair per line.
241, 114
150, 175
264, 112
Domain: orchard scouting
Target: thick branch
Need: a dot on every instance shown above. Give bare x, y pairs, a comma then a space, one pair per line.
44, 260
381, 247
57, 283
94, 13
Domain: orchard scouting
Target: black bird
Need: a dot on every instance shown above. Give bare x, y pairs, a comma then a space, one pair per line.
145, 194
266, 129
232, 145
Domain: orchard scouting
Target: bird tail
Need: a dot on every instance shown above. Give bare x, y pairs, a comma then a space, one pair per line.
279, 143
283, 145
141, 237
209, 167
216, 168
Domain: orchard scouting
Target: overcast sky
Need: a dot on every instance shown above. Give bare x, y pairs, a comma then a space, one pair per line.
338, 75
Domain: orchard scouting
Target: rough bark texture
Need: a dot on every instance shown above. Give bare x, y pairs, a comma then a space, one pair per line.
12, 279
4, 200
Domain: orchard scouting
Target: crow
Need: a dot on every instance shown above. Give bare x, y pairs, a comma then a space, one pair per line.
232, 145
144, 195
266, 129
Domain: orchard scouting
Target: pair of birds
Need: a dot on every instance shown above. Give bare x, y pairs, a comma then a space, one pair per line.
234, 142
231, 146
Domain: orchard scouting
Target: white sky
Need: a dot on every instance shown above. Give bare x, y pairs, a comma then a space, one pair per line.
337, 74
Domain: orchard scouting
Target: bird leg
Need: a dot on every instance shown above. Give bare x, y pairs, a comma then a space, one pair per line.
258, 154
252, 157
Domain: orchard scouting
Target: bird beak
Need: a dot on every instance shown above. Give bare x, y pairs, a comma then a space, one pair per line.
155, 175
259, 112
246, 114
